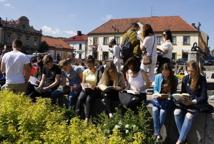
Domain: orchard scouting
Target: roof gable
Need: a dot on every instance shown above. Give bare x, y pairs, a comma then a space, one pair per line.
159, 24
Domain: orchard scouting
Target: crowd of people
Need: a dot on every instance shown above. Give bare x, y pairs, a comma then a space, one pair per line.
78, 87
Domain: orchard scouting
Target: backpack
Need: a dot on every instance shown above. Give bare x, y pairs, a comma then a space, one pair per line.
126, 50
127, 47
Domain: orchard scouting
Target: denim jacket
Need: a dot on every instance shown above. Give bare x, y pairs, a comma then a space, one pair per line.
158, 83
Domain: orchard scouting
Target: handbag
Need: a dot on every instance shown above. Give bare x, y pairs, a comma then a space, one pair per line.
147, 59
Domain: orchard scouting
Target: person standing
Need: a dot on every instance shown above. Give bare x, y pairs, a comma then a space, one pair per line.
16, 66
149, 48
131, 37
166, 49
116, 54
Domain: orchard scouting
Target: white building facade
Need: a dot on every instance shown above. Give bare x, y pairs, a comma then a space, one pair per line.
184, 35
79, 43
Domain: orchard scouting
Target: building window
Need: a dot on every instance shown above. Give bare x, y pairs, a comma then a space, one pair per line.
27, 37
95, 40
117, 38
159, 40
80, 46
35, 39
186, 40
105, 40
8, 38
19, 36
174, 40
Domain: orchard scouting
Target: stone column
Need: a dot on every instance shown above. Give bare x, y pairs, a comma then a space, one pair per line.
193, 55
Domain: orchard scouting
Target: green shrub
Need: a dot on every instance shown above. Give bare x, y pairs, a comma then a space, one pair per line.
22, 121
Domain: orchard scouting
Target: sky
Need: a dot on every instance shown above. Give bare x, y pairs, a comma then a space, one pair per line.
65, 17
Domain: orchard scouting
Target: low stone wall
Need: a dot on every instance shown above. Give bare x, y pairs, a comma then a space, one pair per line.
202, 131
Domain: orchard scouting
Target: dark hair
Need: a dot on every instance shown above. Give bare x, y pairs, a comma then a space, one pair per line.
171, 83
90, 59
135, 25
47, 59
132, 63
147, 30
64, 62
17, 43
112, 42
167, 34
167, 66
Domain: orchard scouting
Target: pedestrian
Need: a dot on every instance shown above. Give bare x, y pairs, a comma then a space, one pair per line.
149, 50
166, 49
16, 66
116, 54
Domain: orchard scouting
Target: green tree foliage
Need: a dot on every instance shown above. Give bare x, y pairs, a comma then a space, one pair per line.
43, 47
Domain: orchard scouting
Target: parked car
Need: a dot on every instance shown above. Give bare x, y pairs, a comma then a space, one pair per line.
181, 61
209, 60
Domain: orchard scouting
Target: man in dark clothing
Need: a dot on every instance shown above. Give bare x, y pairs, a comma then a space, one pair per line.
49, 82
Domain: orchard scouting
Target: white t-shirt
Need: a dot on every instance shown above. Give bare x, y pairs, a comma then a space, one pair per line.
149, 43
137, 83
167, 46
14, 63
116, 51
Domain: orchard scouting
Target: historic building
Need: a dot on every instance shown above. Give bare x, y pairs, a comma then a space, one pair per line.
184, 34
19, 29
57, 48
79, 44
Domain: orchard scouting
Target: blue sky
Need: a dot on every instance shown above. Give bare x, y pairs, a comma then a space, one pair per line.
65, 17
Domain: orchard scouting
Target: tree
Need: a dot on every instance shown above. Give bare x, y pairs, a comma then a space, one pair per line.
43, 47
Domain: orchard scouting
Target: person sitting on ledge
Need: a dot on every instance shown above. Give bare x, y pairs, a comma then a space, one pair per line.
194, 86
111, 83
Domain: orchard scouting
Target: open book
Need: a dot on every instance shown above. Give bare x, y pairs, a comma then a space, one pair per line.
132, 92
33, 80
156, 95
184, 96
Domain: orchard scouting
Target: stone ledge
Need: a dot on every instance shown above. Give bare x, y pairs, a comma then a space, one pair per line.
202, 130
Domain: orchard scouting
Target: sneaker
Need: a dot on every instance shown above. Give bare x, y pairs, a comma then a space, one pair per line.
159, 138
110, 115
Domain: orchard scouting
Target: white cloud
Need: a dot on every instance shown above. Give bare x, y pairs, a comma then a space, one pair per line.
107, 17
70, 32
47, 30
7, 5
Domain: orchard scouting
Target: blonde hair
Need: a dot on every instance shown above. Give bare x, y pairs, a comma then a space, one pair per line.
106, 76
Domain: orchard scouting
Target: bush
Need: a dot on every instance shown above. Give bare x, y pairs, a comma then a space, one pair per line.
22, 121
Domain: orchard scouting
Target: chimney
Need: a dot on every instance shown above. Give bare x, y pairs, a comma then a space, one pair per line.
193, 24
79, 33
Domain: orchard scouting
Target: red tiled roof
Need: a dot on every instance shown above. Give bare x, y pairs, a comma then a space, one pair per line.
77, 38
55, 42
159, 24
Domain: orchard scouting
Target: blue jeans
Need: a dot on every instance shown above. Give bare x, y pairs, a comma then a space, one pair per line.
159, 116
183, 120
72, 99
